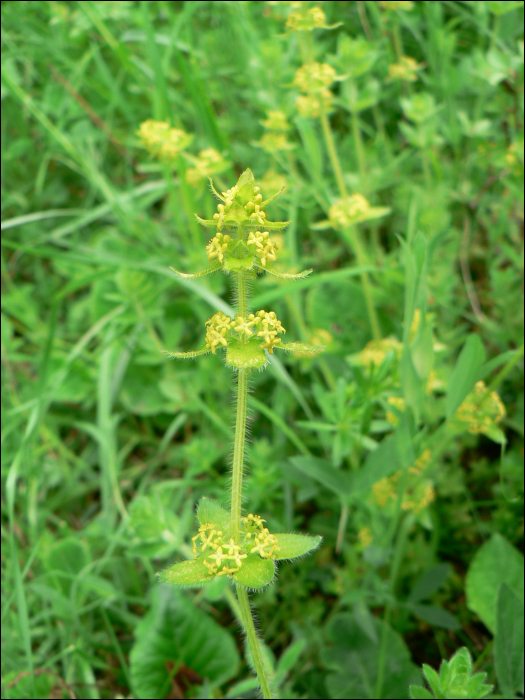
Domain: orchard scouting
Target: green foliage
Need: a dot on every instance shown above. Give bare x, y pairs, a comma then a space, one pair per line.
455, 679
397, 155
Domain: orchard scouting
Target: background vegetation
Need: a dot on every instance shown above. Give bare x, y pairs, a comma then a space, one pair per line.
382, 445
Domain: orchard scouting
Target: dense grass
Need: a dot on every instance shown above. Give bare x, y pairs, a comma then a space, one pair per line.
414, 480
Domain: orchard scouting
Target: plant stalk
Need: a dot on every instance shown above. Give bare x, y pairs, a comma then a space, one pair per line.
239, 443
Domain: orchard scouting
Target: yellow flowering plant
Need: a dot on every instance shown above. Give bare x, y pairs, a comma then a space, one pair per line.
228, 543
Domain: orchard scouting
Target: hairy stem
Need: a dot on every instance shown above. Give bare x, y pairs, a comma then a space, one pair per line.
238, 453
253, 640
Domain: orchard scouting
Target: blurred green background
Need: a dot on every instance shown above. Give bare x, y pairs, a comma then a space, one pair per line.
405, 193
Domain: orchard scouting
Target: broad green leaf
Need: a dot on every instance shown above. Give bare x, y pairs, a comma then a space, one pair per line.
436, 616
292, 545
353, 657
209, 511
321, 470
248, 355
245, 185
465, 373
496, 562
191, 573
509, 641
429, 582
255, 572
175, 632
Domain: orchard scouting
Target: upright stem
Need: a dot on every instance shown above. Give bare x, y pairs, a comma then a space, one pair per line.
239, 442
253, 641
238, 453
357, 245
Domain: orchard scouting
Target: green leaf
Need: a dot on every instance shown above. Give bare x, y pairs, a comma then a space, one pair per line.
301, 349
433, 680
321, 470
245, 185
190, 573
496, 562
509, 641
233, 264
188, 355
419, 693
209, 511
255, 572
436, 616
353, 656
65, 560
209, 223
293, 546
248, 355
430, 582
172, 633
465, 373
189, 276
284, 275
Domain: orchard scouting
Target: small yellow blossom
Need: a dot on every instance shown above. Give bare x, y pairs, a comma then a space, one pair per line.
365, 537
313, 77
163, 140
217, 246
207, 163
397, 402
273, 142
217, 327
347, 212
406, 69
376, 351
312, 18
244, 327
400, 5
276, 121
421, 462
271, 326
264, 245
481, 410
315, 104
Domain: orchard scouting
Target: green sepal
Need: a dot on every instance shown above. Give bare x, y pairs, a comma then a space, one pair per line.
293, 546
284, 275
209, 223
248, 355
301, 349
189, 276
245, 184
255, 572
235, 264
189, 355
274, 196
191, 573
209, 511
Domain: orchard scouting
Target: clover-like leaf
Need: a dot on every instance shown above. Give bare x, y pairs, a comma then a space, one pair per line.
292, 546
209, 511
255, 572
190, 573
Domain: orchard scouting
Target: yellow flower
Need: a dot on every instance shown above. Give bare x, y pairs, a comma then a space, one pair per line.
264, 245
313, 77
217, 327
315, 104
376, 351
312, 18
217, 246
276, 121
271, 326
163, 140
406, 69
481, 410
399, 403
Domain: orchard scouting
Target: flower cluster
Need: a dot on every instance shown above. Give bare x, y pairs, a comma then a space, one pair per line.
208, 162
163, 140
314, 77
406, 69
226, 557
306, 20
258, 538
221, 328
418, 493
218, 246
481, 410
264, 246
